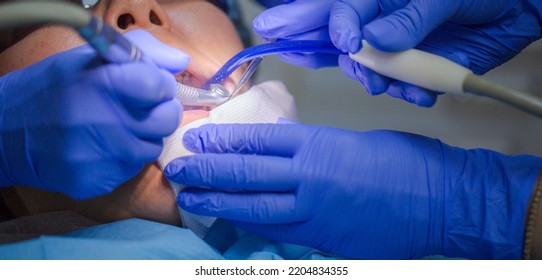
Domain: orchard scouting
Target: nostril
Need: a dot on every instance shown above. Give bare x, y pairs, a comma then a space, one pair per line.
125, 20
154, 18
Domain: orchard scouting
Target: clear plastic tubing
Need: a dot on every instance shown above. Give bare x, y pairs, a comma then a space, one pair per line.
278, 47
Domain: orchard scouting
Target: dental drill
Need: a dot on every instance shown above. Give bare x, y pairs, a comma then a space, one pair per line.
437, 73
108, 43
412, 66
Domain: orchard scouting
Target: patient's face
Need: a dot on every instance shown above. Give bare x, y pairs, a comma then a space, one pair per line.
195, 26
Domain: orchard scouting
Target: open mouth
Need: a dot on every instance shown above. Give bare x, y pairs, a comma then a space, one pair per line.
188, 78
193, 97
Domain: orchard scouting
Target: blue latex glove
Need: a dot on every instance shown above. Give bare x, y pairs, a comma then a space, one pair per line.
479, 34
272, 3
299, 20
75, 125
377, 194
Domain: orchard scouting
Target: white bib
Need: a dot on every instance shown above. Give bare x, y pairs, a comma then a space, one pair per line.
263, 103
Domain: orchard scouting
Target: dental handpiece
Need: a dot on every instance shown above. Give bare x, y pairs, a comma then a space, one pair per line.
437, 73
201, 99
413, 66
108, 43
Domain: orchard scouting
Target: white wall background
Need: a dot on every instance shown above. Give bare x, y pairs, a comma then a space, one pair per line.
470, 122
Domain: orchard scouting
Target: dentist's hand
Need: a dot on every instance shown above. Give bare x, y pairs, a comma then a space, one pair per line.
299, 20
376, 194
479, 34
272, 3
74, 124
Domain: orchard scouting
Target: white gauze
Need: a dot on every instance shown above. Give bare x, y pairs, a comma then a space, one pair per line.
263, 103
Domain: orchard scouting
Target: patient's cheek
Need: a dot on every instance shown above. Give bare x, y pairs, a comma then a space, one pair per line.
193, 115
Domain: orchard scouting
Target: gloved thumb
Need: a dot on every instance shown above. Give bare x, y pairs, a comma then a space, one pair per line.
406, 27
345, 22
167, 57
295, 18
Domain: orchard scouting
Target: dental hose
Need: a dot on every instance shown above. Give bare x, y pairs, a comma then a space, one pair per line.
107, 42
278, 47
439, 74
526, 102
412, 66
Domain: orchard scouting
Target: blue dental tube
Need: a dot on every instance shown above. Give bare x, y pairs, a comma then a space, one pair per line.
213, 94
278, 47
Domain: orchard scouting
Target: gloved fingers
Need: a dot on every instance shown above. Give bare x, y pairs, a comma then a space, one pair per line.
449, 49
148, 151
144, 151
111, 149
167, 57
80, 57
123, 145
310, 60
294, 18
248, 207
160, 122
407, 26
233, 172
138, 86
262, 139
320, 33
272, 3
373, 82
412, 94
346, 20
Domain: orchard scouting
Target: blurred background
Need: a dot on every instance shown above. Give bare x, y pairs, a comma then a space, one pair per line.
327, 97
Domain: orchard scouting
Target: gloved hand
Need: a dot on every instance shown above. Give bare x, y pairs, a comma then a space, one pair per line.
272, 3
479, 34
377, 194
73, 124
299, 20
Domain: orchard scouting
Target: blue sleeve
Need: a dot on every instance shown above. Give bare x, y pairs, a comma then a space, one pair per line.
128, 239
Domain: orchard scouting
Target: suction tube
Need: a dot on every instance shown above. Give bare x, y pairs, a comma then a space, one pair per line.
278, 47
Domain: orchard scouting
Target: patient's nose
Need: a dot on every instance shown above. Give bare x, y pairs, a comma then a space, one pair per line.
136, 14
